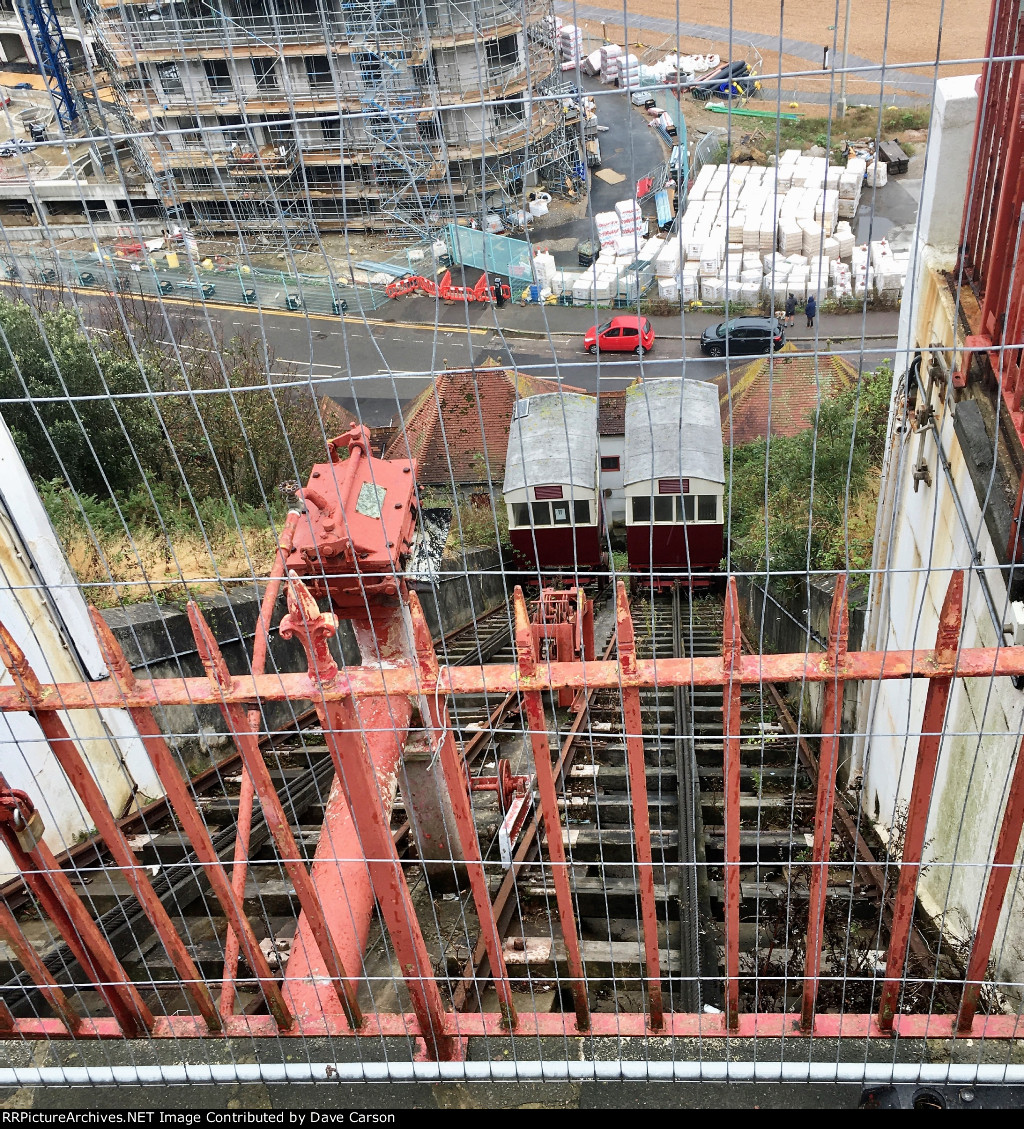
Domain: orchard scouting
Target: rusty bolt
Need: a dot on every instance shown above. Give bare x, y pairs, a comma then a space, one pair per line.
398, 505
406, 470
316, 474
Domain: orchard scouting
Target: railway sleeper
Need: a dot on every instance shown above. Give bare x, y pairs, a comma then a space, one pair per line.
618, 845
596, 897
605, 962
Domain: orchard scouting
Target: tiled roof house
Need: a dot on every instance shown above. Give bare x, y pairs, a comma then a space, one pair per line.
458, 428
779, 400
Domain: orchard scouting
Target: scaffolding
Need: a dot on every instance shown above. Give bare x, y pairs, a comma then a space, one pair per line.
420, 112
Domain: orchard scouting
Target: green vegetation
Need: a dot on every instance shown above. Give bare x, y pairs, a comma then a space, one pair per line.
476, 522
158, 466
775, 521
860, 121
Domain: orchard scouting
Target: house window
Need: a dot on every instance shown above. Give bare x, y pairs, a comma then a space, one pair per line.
233, 129
707, 507
642, 509
685, 507
503, 52
664, 509
370, 69
429, 129
609, 462
331, 130
190, 131
581, 513
218, 75
265, 73
508, 113
280, 129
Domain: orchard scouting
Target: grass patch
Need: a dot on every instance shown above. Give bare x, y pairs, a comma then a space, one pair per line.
860, 121
476, 524
152, 545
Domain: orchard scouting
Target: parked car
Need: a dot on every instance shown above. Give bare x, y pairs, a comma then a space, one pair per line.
165, 286
292, 302
207, 289
627, 333
742, 337
726, 82
339, 305
249, 295
87, 278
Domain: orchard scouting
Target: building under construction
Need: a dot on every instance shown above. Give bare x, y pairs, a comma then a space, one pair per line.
302, 116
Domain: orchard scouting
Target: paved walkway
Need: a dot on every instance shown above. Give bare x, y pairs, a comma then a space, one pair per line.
539, 322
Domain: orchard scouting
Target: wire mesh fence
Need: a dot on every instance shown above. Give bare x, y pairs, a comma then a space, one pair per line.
611, 678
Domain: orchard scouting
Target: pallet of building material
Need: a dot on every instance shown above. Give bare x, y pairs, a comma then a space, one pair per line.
895, 159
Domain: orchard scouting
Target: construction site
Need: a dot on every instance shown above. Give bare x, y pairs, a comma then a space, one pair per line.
411, 700
390, 118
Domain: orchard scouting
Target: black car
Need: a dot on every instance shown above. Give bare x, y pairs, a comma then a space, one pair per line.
743, 336
729, 78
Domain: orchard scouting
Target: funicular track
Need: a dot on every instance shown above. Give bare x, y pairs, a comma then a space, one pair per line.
682, 738
301, 770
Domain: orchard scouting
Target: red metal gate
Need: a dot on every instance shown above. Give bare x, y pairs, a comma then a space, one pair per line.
344, 701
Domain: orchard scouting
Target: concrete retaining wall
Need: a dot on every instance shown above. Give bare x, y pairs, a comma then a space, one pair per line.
158, 642
782, 622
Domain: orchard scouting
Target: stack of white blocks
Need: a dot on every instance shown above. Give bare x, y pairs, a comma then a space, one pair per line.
610, 54
773, 232
629, 71
570, 42
608, 228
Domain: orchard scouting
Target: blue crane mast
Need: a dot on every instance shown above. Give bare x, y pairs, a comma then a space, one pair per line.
39, 18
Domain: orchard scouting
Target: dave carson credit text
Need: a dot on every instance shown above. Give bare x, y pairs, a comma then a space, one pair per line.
290, 1117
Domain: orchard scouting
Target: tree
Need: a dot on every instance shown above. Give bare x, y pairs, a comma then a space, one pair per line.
808, 500
60, 400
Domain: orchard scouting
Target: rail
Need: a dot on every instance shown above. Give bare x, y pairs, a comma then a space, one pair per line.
573, 962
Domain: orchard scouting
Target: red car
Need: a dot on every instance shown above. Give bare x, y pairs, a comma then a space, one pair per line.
627, 333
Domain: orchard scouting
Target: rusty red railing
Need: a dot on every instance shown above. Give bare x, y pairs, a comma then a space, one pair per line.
298, 1006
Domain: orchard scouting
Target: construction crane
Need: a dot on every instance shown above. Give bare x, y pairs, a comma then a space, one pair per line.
39, 18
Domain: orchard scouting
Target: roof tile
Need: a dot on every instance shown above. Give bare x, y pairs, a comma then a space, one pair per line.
457, 428
779, 400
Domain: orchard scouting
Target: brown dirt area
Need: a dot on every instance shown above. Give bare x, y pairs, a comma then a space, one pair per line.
898, 31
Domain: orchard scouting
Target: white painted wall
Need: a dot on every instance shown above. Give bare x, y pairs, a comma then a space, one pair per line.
43, 608
920, 538
614, 506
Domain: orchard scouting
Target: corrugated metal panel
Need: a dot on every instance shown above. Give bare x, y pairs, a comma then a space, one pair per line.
554, 441
673, 429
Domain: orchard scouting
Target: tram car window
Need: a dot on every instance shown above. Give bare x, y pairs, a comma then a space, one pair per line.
552, 481
674, 478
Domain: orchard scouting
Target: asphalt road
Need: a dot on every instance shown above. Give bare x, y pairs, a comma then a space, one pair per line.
374, 367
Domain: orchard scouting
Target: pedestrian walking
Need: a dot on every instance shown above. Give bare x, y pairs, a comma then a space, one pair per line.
811, 309
790, 309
